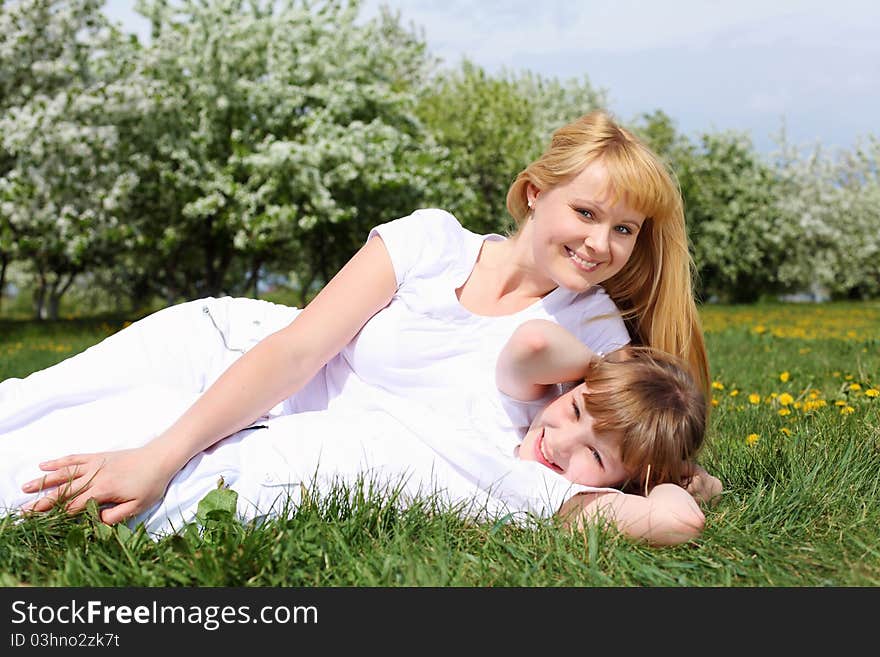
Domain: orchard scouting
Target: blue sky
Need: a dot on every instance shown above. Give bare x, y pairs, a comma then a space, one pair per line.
745, 65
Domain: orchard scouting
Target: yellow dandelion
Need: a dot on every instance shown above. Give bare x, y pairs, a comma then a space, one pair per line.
836, 375
714, 402
752, 438
759, 329
717, 385
814, 394
840, 402
872, 392
846, 410
855, 387
734, 393
797, 404
785, 399
785, 376
786, 431
754, 399
848, 377
785, 411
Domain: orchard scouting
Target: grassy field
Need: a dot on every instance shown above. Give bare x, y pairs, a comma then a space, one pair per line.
795, 437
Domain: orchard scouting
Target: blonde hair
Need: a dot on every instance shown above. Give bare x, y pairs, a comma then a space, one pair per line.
654, 290
648, 397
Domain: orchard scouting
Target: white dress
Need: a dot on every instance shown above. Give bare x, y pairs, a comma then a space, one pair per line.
411, 399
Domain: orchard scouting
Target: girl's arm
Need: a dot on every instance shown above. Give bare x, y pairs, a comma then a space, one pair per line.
668, 515
540, 353
273, 370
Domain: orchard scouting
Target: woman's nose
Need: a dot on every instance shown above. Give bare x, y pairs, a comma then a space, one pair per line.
597, 241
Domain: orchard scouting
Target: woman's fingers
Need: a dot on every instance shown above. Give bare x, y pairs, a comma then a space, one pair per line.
113, 479
120, 512
70, 459
44, 503
56, 478
63, 469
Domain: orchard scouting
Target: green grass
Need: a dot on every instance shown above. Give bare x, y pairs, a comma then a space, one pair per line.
800, 506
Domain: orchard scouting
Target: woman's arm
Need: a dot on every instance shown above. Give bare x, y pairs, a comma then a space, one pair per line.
668, 515
273, 370
538, 354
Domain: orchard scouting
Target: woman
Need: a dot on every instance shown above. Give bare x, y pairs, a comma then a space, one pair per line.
421, 308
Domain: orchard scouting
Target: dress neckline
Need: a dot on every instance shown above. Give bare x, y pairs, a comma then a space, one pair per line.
469, 263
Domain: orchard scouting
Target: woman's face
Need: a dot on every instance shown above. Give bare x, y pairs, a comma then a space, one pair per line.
579, 237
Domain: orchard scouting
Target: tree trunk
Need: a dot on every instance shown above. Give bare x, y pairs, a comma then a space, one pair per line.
40, 299
4, 262
53, 305
56, 292
253, 282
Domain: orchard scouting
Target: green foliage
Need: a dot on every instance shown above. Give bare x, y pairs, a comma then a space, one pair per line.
734, 223
493, 126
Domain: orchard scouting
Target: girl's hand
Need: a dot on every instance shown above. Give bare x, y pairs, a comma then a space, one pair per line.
127, 479
702, 486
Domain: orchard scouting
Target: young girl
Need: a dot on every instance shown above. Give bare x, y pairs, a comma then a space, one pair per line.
417, 316
635, 422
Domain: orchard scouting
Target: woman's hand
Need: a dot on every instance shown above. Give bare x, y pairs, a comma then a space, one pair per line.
702, 486
127, 479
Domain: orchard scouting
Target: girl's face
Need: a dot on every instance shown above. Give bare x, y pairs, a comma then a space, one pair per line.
579, 238
561, 438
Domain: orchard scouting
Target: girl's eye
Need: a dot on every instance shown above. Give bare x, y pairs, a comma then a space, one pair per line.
577, 411
586, 214
623, 230
596, 456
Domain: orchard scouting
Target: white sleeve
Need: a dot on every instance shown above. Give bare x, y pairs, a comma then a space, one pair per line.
418, 242
599, 325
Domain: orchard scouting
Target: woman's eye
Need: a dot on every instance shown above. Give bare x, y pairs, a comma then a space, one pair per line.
577, 411
623, 230
586, 214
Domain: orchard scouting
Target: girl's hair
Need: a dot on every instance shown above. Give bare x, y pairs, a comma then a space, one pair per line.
648, 397
654, 291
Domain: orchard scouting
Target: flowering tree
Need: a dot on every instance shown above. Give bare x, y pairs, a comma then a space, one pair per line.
277, 133
62, 185
833, 201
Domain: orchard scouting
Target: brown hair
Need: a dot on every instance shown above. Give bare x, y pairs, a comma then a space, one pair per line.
649, 398
654, 291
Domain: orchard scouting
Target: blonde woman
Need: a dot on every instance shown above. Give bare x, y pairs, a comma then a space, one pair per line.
420, 312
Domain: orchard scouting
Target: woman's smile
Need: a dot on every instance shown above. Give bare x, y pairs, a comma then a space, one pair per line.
584, 264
